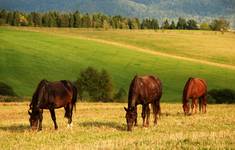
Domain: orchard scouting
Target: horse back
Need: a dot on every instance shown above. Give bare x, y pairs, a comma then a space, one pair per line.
145, 88
58, 94
194, 88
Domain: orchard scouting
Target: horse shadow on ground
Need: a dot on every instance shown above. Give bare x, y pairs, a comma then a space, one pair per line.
99, 124
15, 128
169, 114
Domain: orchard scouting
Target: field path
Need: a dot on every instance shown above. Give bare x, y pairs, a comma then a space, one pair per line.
133, 48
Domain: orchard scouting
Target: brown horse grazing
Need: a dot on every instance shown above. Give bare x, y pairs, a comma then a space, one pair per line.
143, 90
194, 89
52, 95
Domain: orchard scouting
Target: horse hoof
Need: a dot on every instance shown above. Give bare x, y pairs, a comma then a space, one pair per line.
70, 125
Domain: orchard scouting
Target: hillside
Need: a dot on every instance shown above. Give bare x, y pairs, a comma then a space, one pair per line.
57, 54
161, 9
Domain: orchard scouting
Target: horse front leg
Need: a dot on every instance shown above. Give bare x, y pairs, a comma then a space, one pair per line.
148, 115
70, 112
52, 111
136, 117
143, 114
192, 105
40, 119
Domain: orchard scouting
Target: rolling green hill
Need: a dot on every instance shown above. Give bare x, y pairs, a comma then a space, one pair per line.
26, 57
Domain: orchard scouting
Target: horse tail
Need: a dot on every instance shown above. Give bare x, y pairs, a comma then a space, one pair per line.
74, 99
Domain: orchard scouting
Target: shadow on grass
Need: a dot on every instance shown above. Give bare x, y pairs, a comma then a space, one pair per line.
172, 114
15, 128
100, 124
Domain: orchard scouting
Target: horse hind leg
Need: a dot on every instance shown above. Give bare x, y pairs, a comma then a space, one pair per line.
148, 115
143, 114
66, 114
156, 111
136, 117
192, 105
52, 111
70, 114
40, 119
204, 104
196, 105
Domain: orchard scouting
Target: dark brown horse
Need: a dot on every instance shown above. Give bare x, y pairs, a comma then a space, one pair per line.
195, 89
52, 95
143, 90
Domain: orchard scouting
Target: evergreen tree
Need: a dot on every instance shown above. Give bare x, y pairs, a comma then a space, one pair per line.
30, 20
165, 24
52, 19
97, 84
37, 19
181, 23
192, 24
172, 26
155, 24
71, 20
3, 16
106, 25
45, 20
86, 21
16, 18
105, 87
63, 20
10, 18
77, 20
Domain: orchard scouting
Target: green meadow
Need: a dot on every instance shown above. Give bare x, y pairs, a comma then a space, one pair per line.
28, 55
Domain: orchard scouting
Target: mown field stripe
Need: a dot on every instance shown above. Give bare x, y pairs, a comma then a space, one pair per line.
139, 49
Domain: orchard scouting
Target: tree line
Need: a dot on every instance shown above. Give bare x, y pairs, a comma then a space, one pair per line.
98, 20
97, 85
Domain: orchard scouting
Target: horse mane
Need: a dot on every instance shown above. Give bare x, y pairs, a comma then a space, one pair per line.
35, 95
185, 92
131, 90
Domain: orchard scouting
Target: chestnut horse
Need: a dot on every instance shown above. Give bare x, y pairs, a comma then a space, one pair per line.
52, 95
195, 89
143, 90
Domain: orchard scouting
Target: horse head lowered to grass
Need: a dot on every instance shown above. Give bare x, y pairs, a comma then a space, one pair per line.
195, 89
143, 90
52, 95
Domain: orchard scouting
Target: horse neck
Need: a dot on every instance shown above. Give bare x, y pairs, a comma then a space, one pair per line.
34, 101
186, 90
132, 92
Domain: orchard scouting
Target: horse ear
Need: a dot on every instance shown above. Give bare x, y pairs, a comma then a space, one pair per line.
125, 108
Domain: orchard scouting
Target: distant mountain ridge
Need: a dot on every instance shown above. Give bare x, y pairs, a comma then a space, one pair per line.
161, 9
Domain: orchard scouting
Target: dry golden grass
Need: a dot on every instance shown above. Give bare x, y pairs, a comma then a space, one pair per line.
102, 126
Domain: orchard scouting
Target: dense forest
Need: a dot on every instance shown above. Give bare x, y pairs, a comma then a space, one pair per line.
98, 20
200, 10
